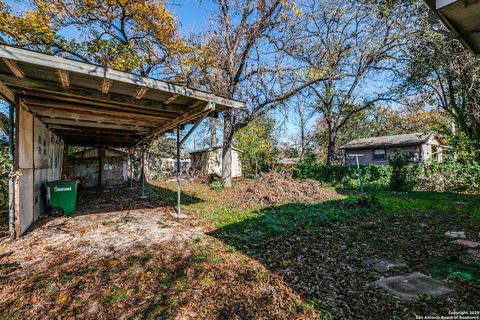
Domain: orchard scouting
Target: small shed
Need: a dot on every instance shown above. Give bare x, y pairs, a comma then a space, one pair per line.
99, 168
208, 162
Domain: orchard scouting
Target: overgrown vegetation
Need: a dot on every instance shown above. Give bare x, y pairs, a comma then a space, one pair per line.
4, 173
399, 175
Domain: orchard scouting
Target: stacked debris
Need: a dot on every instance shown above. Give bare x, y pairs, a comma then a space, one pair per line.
279, 187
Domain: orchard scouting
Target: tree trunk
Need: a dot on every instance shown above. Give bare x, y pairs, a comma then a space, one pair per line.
302, 139
213, 132
332, 139
227, 150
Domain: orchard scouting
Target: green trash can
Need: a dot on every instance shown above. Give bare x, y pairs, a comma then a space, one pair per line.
62, 194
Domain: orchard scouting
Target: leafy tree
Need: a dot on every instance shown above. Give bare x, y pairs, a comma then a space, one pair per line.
360, 42
446, 74
134, 35
241, 57
258, 144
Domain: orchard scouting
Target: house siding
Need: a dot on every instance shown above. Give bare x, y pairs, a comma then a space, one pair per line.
367, 157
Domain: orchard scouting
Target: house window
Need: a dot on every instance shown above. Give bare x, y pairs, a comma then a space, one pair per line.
414, 156
379, 154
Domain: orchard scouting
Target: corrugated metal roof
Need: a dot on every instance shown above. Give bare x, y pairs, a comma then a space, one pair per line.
389, 141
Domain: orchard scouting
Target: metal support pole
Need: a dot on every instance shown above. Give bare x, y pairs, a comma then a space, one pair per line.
359, 172
179, 209
142, 174
11, 186
131, 169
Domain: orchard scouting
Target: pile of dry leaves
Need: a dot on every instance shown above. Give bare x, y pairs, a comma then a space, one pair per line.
279, 187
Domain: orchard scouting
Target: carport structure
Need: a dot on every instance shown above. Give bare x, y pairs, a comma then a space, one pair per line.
57, 101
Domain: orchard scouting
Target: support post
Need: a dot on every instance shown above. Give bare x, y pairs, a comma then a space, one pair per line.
142, 174
130, 155
179, 209
11, 185
359, 172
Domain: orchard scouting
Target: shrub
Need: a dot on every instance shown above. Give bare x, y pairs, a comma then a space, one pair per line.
332, 175
4, 173
373, 176
399, 175
404, 173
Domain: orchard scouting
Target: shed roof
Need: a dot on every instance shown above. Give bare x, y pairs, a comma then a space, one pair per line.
91, 105
81, 154
391, 141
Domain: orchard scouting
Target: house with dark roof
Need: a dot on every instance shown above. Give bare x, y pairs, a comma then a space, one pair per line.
420, 146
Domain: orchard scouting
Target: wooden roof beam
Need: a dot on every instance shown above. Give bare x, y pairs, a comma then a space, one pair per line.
111, 110
92, 118
91, 124
171, 99
140, 93
6, 93
97, 131
64, 78
105, 86
54, 91
14, 68
194, 113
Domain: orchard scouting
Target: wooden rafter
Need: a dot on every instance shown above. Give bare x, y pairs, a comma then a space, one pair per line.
48, 90
64, 78
105, 86
171, 99
91, 124
91, 118
4, 124
14, 68
6, 92
134, 115
194, 113
140, 93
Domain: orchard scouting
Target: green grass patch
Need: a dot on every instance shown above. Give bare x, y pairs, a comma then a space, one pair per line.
442, 268
254, 225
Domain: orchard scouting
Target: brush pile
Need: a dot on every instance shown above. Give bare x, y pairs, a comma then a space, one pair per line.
273, 188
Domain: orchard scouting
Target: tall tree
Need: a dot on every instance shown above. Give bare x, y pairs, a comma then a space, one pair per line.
361, 42
303, 112
239, 59
447, 75
129, 35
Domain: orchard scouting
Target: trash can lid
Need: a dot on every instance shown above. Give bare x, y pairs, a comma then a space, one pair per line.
63, 181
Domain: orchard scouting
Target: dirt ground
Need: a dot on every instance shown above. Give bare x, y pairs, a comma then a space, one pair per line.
123, 257
270, 249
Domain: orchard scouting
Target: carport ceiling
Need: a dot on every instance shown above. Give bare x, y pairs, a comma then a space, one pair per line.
461, 17
90, 105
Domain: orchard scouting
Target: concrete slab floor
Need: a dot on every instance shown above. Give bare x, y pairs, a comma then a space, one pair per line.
383, 265
409, 286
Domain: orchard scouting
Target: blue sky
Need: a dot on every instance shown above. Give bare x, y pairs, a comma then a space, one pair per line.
192, 17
